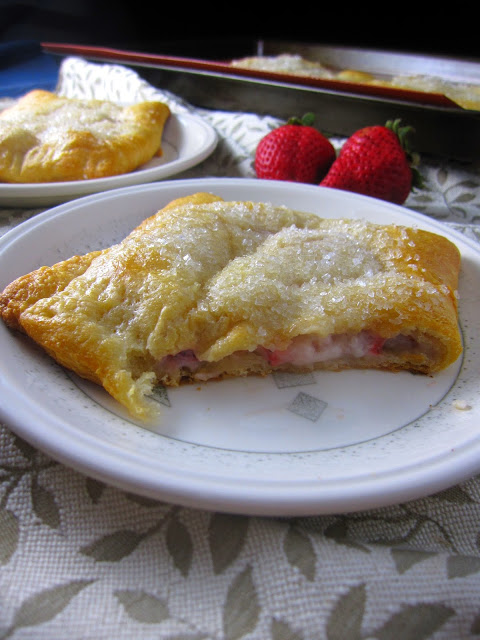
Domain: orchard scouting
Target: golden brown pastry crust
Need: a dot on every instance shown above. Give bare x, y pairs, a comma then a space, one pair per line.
41, 283
48, 138
228, 281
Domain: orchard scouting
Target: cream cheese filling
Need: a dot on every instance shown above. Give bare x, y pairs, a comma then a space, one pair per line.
303, 352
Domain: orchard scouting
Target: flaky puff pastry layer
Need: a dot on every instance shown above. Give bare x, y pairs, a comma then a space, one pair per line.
222, 279
48, 138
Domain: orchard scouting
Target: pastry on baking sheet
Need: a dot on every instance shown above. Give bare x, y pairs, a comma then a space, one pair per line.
285, 63
207, 288
464, 94
48, 138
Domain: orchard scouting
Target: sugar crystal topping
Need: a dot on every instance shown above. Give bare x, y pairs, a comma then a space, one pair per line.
100, 118
277, 270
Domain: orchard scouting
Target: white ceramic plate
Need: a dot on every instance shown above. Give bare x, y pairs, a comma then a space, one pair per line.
187, 141
324, 443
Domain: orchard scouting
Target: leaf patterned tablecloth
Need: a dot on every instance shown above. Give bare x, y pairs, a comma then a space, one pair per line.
80, 560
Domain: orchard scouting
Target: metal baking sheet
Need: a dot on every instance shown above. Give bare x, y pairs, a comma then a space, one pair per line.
441, 126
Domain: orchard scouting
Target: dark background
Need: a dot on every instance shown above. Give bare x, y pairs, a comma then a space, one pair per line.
229, 30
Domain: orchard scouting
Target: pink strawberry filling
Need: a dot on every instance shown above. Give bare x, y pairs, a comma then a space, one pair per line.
306, 351
183, 360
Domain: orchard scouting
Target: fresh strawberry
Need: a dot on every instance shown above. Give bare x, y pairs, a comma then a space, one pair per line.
376, 161
295, 151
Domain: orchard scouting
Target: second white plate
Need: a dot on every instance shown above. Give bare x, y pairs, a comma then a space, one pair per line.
187, 141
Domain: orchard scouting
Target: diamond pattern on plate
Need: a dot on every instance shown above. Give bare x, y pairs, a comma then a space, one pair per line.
160, 395
283, 379
307, 406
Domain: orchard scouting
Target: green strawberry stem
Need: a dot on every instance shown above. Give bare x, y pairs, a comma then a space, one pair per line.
306, 120
402, 133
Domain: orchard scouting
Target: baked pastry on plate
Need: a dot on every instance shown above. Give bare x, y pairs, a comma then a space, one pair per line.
206, 288
48, 138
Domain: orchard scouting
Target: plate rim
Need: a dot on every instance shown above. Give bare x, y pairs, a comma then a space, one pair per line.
266, 501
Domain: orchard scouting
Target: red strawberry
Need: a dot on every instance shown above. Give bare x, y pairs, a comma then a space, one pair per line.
295, 151
375, 161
